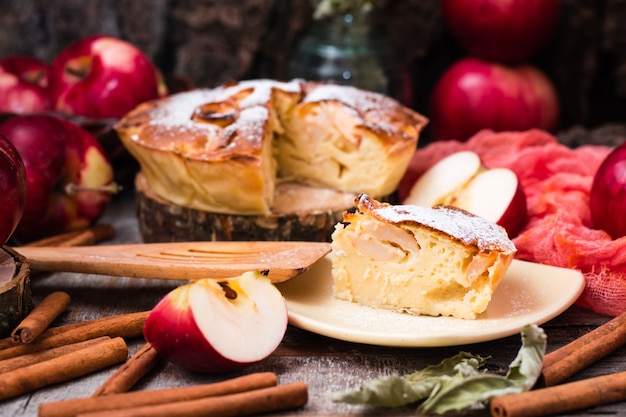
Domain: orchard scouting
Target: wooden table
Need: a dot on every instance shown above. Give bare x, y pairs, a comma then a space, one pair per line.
325, 364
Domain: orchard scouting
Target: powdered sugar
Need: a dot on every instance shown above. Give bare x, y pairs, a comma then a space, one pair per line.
176, 112
376, 111
362, 100
459, 224
250, 125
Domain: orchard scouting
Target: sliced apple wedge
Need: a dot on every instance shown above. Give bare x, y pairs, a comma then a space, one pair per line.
217, 326
443, 180
461, 180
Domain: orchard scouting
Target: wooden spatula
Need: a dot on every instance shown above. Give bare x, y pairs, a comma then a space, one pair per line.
180, 260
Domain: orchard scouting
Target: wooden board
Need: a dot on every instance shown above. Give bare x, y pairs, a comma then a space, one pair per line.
162, 221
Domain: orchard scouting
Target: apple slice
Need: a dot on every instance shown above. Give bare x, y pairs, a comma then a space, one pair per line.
461, 180
497, 195
217, 326
441, 181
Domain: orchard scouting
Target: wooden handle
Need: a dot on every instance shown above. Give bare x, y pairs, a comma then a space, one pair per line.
180, 260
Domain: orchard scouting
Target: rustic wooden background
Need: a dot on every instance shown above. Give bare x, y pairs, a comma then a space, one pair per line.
210, 41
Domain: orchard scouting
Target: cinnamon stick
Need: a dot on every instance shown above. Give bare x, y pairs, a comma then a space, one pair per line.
54, 240
83, 237
91, 236
131, 372
582, 352
63, 368
70, 408
30, 359
124, 325
52, 331
264, 400
40, 317
562, 398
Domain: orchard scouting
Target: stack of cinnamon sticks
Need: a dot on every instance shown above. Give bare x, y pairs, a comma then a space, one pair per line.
37, 355
559, 365
242, 396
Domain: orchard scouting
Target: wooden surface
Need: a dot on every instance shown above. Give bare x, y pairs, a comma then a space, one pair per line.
326, 365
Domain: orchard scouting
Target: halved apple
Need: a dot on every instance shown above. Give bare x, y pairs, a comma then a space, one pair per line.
461, 180
216, 326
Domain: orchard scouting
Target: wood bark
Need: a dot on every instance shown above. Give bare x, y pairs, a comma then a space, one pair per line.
15, 295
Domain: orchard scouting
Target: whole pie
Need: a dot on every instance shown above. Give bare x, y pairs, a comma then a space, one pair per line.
230, 149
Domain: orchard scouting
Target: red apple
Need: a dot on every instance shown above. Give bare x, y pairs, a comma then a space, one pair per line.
607, 197
218, 325
70, 179
12, 188
102, 77
461, 180
23, 85
473, 95
505, 31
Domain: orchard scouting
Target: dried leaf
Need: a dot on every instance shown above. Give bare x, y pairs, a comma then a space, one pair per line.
456, 384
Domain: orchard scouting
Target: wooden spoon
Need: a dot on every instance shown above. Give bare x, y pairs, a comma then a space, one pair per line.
180, 260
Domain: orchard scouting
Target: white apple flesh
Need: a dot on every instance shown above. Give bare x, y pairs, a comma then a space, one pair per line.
218, 326
445, 177
497, 195
461, 180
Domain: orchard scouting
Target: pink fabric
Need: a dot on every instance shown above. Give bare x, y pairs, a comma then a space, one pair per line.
559, 230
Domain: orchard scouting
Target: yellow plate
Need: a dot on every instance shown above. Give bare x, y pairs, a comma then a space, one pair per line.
528, 293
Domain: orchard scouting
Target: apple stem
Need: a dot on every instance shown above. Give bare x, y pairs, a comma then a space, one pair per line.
113, 188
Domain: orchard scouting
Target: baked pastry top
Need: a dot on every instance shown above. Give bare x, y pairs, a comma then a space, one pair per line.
225, 149
439, 261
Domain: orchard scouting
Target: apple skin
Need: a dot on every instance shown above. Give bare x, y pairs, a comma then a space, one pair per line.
199, 327
23, 85
472, 95
102, 77
12, 188
516, 215
607, 196
57, 153
505, 31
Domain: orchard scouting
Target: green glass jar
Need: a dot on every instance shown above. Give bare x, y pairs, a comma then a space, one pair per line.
346, 49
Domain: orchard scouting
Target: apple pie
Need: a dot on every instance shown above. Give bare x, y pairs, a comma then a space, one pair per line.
439, 261
226, 150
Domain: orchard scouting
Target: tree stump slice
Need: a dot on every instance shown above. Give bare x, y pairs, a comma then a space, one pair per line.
15, 293
302, 214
